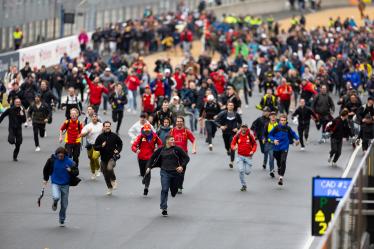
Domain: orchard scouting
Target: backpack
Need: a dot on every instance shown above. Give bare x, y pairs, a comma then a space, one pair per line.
68, 123
74, 172
185, 132
290, 137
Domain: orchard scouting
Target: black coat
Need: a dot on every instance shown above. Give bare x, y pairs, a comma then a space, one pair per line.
181, 158
15, 118
304, 115
113, 142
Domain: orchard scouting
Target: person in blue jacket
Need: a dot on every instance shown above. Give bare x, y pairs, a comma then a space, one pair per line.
60, 168
282, 136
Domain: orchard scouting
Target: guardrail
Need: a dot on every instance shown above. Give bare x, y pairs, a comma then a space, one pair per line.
349, 228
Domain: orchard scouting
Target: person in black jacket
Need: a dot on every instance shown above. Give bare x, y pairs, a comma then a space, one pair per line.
229, 122
365, 118
258, 125
109, 145
16, 93
118, 100
39, 114
209, 112
173, 162
304, 115
339, 129
17, 116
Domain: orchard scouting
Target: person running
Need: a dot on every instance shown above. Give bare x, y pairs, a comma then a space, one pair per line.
39, 114
339, 129
364, 117
72, 128
164, 130
72, 101
323, 106
284, 93
97, 89
17, 116
181, 136
118, 101
246, 145
60, 168
109, 145
268, 144
269, 100
209, 112
91, 131
144, 146
165, 112
258, 125
282, 136
136, 128
229, 122
172, 161
304, 114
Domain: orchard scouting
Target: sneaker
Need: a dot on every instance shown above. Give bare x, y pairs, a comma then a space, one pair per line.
264, 166
246, 106
104, 112
280, 182
97, 173
54, 205
164, 212
45, 134
329, 160
244, 188
211, 147
272, 174
231, 165
15, 159
302, 148
37, 149
180, 191
334, 164
26, 125
228, 153
145, 192
93, 176
114, 184
109, 191
62, 223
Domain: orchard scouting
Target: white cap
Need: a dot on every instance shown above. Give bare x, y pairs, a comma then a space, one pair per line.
75, 69
107, 69
167, 70
318, 57
210, 97
176, 97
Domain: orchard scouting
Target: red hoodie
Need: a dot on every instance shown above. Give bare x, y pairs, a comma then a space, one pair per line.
284, 92
146, 147
96, 91
179, 78
246, 144
132, 82
309, 87
219, 82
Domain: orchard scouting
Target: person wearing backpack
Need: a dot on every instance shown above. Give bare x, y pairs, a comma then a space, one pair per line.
268, 144
339, 129
282, 136
61, 169
181, 135
209, 112
246, 145
72, 128
144, 146
118, 100
71, 102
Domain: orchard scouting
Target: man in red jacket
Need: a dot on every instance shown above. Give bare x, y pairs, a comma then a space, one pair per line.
144, 145
96, 92
246, 145
219, 81
284, 92
132, 83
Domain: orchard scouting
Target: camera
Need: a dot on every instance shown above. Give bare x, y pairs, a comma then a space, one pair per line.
116, 156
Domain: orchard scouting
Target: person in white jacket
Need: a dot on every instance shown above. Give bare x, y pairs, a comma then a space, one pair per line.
135, 129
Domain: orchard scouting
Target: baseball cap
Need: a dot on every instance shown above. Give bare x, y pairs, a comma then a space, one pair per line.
244, 125
147, 127
266, 109
273, 113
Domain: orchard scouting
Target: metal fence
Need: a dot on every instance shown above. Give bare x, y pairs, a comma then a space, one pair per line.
40, 20
349, 227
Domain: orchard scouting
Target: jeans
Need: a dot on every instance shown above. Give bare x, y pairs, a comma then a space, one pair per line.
61, 192
169, 180
193, 115
268, 154
106, 99
132, 105
211, 129
244, 166
38, 129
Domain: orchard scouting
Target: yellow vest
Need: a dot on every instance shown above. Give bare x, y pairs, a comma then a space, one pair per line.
17, 35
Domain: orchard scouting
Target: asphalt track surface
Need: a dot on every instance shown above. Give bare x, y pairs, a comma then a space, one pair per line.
211, 212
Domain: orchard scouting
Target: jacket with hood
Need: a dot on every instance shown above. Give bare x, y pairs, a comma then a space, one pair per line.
146, 145
57, 169
285, 135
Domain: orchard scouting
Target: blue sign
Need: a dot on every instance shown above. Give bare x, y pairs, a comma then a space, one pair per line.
330, 187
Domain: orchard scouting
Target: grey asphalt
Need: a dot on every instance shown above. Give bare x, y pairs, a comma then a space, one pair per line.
211, 212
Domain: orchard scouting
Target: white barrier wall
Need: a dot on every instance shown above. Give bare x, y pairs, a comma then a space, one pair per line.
49, 53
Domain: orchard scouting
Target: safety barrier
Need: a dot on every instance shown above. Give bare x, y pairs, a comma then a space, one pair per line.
349, 227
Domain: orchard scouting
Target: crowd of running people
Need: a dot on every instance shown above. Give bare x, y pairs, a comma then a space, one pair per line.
300, 73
